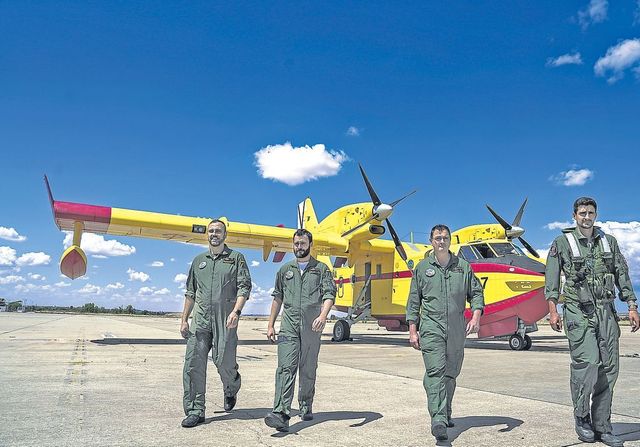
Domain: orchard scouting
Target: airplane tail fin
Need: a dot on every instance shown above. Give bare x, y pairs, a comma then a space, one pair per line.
307, 218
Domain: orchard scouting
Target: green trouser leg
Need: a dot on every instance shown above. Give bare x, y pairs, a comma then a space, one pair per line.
288, 358
607, 373
228, 369
593, 343
309, 350
443, 361
195, 372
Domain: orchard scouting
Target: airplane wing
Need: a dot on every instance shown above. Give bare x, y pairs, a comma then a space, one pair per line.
79, 217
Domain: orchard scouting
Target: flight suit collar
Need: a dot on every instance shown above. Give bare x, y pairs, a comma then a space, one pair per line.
578, 234
225, 252
453, 261
312, 263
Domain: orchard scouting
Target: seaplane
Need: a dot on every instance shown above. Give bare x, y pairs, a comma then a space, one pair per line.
372, 274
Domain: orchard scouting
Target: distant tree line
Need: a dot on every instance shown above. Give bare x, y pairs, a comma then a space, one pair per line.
92, 308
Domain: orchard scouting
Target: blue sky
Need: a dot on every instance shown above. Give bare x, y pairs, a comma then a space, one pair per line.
163, 107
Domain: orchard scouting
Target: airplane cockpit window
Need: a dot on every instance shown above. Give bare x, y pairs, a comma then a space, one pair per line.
505, 248
468, 253
484, 250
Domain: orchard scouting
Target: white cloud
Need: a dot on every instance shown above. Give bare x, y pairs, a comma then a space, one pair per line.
62, 284
37, 276
254, 263
99, 256
259, 302
147, 291
7, 255
137, 276
11, 279
617, 59
295, 165
115, 286
595, 12
558, 225
11, 234
95, 244
574, 177
353, 131
180, 277
565, 59
91, 289
172, 259
32, 259
157, 264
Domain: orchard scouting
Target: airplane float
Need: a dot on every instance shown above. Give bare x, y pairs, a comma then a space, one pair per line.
372, 274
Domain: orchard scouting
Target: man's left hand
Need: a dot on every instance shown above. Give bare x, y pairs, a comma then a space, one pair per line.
473, 326
318, 324
232, 320
634, 320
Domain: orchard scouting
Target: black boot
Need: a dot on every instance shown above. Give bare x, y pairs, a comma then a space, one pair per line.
278, 421
192, 420
439, 431
584, 429
229, 402
609, 439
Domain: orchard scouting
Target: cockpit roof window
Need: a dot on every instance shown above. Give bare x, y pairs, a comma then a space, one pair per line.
505, 248
467, 252
484, 250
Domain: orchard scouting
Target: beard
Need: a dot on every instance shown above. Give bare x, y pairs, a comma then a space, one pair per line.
215, 241
302, 253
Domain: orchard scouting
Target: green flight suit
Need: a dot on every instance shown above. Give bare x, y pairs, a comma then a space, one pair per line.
436, 303
302, 296
214, 282
590, 319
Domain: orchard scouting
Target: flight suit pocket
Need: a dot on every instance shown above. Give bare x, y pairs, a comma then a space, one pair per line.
575, 330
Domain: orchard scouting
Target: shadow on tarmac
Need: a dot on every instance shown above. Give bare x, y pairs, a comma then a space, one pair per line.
627, 431
465, 423
242, 414
318, 418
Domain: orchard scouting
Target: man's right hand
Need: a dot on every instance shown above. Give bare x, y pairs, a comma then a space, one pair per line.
184, 329
414, 340
555, 321
271, 335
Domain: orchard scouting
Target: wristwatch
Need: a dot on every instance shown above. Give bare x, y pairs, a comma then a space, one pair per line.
238, 312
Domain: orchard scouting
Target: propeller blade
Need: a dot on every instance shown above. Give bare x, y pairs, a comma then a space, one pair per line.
394, 203
396, 240
374, 197
518, 218
360, 225
529, 248
506, 225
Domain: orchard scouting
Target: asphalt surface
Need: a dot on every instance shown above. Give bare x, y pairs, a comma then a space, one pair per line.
93, 380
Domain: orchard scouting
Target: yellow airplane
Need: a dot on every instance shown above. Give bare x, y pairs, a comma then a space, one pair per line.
372, 274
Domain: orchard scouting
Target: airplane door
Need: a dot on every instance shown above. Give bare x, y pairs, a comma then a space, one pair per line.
367, 274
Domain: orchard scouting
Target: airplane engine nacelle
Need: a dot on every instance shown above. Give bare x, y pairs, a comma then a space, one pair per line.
73, 263
376, 229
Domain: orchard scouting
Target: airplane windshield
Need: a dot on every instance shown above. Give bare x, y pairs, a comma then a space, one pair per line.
484, 250
505, 248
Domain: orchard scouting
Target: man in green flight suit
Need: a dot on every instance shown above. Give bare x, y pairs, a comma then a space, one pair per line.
593, 267
442, 283
306, 288
217, 287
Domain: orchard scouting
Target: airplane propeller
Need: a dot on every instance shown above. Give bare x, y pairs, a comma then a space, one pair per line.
513, 230
381, 212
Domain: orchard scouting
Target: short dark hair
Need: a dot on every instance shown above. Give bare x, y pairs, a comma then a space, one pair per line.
302, 232
584, 201
214, 221
439, 227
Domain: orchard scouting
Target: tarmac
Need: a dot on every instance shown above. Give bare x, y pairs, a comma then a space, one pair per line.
103, 380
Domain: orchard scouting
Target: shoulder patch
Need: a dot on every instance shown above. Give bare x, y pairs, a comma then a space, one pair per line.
288, 275
202, 265
553, 252
430, 272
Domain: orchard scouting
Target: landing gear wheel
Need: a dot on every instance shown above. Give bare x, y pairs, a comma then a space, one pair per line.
341, 331
527, 343
516, 342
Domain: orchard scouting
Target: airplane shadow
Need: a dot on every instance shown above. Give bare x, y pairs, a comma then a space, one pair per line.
318, 418
465, 423
627, 431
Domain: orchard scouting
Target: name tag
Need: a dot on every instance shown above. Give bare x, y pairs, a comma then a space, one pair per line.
229, 261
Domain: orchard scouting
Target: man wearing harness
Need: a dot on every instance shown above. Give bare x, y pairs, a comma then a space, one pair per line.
593, 268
